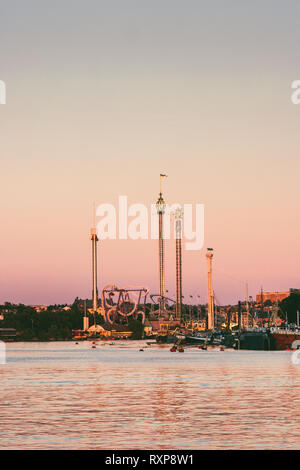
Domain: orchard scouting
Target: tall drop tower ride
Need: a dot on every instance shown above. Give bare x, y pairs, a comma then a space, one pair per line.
94, 239
160, 207
211, 313
178, 230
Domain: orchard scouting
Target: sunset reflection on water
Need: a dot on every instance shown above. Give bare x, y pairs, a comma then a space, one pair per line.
68, 396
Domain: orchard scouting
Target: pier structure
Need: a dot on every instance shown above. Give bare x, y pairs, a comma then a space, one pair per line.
178, 231
211, 313
160, 207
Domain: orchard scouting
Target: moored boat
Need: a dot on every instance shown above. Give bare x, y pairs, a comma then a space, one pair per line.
253, 339
284, 338
197, 338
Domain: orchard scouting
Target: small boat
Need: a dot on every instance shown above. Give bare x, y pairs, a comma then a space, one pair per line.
197, 338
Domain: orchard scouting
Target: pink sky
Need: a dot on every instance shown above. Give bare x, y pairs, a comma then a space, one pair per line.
93, 116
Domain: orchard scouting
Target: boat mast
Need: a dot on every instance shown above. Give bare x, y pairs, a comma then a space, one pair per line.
247, 304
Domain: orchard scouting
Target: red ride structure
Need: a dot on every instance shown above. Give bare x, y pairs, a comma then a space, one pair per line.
119, 304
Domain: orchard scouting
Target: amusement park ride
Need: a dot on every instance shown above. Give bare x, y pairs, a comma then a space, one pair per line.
118, 305
165, 316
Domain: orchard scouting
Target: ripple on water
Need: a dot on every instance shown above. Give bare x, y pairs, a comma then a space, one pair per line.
67, 396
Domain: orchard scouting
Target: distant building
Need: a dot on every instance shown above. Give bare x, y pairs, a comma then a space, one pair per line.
272, 296
39, 308
148, 330
115, 331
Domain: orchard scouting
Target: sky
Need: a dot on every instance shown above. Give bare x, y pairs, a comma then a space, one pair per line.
103, 96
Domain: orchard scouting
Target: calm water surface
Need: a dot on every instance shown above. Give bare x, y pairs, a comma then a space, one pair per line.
68, 396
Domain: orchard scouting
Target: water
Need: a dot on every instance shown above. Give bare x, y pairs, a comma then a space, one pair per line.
67, 396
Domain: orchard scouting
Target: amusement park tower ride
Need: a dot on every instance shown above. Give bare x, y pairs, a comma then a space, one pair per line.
178, 229
94, 239
160, 207
211, 319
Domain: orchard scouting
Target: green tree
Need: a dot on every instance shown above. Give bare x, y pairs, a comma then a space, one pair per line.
290, 305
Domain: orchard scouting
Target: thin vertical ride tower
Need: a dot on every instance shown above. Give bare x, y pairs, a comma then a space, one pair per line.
178, 230
94, 239
160, 207
211, 313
